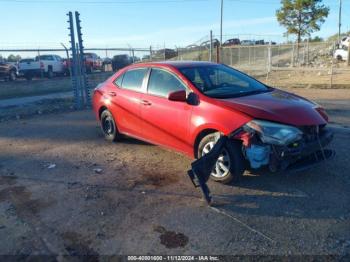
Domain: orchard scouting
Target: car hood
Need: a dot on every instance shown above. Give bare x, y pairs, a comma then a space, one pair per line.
278, 106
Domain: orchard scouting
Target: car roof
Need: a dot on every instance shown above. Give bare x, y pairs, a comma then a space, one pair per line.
178, 64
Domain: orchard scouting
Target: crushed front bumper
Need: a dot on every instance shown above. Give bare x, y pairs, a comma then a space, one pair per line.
303, 154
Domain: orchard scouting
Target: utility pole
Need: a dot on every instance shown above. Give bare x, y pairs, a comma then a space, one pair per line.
339, 31
220, 45
222, 9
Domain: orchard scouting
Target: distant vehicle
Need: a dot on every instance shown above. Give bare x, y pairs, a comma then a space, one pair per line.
146, 57
8, 71
247, 42
192, 47
341, 54
216, 43
92, 62
46, 65
165, 54
120, 61
270, 43
259, 42
344, 42
107, 61
231, 42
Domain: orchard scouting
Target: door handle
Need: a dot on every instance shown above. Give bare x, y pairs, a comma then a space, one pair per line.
112, 93
146, 103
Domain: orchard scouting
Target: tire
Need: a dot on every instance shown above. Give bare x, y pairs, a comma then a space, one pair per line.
109, 127
12, 75
230, 166
49, 73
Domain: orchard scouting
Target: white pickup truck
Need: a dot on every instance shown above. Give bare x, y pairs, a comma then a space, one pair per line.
44, 65
341, 54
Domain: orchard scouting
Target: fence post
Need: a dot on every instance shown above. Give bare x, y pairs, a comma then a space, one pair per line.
349, 53
85, 83
211, 47
292, 59
307, 52
150, 53
73, 64
278, 55
331, 73
239, 55
231, 61
249, 54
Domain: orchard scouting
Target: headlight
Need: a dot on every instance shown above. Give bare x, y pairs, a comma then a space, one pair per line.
273, 133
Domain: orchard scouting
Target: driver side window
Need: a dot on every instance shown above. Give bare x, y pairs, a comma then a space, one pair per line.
161, 83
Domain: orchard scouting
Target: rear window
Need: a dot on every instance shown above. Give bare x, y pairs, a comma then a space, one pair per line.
133, 78
45, 57
26, 60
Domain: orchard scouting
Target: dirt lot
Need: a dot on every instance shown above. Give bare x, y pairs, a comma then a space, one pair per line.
65, 191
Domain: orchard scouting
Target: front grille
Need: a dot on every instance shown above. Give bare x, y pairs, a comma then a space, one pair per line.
310, 133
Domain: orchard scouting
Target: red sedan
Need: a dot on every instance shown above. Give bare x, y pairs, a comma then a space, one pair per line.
185, 106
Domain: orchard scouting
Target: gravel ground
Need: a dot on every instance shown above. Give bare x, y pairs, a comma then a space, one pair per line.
65, 191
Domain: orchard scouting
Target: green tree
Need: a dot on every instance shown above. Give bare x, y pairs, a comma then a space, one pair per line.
302, 17
13, 58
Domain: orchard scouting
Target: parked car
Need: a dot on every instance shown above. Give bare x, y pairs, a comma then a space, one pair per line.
259, 42
192, 47
344, 42
8, 71
216, 43
231, 42
185, 106
247, 42
44, 65
270, 43
164, 54
92, 62
120, 61
341, 54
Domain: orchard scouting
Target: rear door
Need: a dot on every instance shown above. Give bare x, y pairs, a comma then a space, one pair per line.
165, 122
125, 97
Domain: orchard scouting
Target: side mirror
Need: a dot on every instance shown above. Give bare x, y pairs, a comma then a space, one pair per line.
179, 96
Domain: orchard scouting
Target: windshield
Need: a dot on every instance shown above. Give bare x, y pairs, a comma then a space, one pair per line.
221, 81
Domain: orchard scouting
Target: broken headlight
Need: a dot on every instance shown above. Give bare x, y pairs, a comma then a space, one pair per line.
273, 133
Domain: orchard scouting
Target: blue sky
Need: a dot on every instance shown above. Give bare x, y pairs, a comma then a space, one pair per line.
33, 23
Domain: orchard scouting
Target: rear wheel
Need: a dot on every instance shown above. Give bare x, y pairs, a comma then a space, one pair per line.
109, 127
230, 164
12, 75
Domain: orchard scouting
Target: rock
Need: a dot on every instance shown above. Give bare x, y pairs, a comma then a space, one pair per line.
51, 166
98, 170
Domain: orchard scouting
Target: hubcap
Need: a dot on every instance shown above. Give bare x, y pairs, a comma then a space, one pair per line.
108, 126
222, 166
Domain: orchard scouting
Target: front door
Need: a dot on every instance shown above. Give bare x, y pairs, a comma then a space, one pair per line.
165, 122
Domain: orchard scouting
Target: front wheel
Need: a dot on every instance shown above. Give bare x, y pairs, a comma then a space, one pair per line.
109, 127
230, 164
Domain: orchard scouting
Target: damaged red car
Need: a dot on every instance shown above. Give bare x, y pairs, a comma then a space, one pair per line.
185, 106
